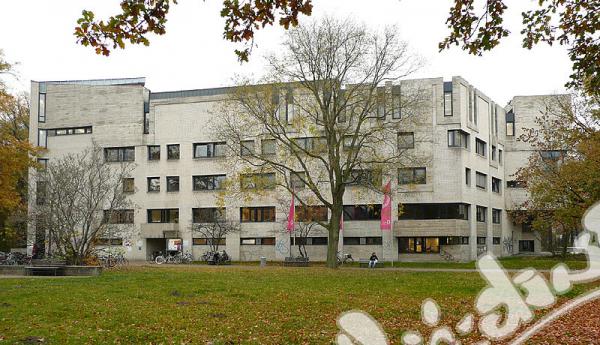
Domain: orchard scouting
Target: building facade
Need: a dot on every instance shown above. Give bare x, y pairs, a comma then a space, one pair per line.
454, 205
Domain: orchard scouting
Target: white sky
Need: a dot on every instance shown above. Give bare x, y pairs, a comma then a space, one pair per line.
39, 35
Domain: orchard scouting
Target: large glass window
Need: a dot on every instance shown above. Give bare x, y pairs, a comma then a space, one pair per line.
128, 185
208, 182
458, 138
433, 211
481, 180
258, 241
153, 184
173, 151
42, 138
119, 154
257, 214
164, 215
172, 183
207, 214
42, 107
312, 144
412, 176
448, 103
406, 140
268, 146
510, 124
480, 147
118, 216
362, 212
496, 213
311, 213
209, 150
297, 180
418, 245
467, 176
247, 148
481, 213
69, 131
365, 177
496, 185
257, 181
153, 152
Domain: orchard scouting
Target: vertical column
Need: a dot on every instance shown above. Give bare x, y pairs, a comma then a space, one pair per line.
282, 245
390, 253
473, 231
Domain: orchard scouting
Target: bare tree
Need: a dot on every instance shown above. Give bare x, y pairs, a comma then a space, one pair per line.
326, 116
80, 199
215, 229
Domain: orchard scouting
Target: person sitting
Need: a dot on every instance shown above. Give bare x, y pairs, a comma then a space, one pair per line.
373, 260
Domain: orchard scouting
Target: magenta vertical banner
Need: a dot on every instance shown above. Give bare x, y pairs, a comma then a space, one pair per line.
290, 223
386, 209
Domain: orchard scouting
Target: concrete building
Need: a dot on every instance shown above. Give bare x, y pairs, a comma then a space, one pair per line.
454, 205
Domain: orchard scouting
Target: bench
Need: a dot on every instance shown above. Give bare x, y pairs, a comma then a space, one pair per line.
46, 267
295, 262
213, 262
365, 263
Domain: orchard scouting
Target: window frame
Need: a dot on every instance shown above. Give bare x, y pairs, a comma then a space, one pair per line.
149, 184
211, 149
215, 181
171, 157
169, 190
258, 214
411, 145
414, 179
153, 155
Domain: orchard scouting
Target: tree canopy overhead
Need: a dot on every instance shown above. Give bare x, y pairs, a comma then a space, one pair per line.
142, 17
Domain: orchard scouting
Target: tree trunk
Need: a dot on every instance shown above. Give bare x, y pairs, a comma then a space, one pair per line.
334, 236
565, 244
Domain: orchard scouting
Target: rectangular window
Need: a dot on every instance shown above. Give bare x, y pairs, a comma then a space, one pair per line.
374, 241
153, 184
496, 213
351, 241
480, 147
311, 213
42, 138
247, 148
43, 164
55, 132
515, 184
500, 157
381, 104
297, 180
527, 246
208, 241
128, 185
362, 212
418, 245
268, 146
42, 107
496, 240
475, 106
496, 185
412, 176
493, 152
119, 154
458, 138
467, 176
164, 215
312, 144
481, 211
41, 189
257, 214
210, 150
481, 241
260, 241
172, 183
109, 242
207, 214
173, 152
433, 211
365, 177
257, 181
396, 102
448, 103
481, 180
208, 182
153, 152
406, 140
510, 123
464, 240
118, 216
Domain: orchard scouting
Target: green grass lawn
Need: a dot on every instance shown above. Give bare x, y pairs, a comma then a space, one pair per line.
249, 305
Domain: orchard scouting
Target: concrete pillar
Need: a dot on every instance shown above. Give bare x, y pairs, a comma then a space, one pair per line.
232, 243
282, 245
388, 245
473, 231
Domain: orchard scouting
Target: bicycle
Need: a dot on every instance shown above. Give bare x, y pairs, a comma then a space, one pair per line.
343, 258
169, 259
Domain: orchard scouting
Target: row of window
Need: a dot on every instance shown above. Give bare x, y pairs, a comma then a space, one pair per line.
460, 138
431, 245
308, 213
481, 181
43, 134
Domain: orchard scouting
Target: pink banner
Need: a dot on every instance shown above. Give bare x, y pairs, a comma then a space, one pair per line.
386, 209
290, 223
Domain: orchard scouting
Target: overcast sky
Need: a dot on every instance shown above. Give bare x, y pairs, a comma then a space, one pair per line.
39, 35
